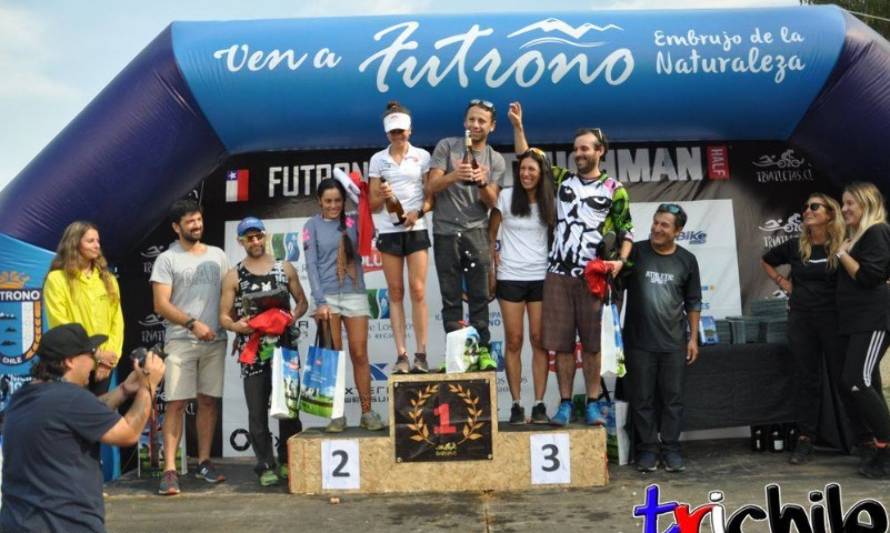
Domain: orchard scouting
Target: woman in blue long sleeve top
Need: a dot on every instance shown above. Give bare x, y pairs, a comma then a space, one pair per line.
338, 288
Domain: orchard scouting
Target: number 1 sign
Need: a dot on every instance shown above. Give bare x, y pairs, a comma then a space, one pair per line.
441, 419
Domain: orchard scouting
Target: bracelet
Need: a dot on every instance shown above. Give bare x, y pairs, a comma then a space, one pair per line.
420, 213
840, 254
190, 323
482, 185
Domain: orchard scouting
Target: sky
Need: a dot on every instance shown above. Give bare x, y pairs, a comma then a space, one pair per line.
56, 55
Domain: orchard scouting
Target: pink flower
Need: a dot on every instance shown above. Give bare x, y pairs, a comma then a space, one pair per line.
305, 235
350, 221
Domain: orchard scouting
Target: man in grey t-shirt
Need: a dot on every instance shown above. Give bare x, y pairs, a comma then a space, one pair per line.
186, 284
663, 295
464, 195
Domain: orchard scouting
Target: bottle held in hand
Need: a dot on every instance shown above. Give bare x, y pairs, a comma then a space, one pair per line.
469, 158
394, 208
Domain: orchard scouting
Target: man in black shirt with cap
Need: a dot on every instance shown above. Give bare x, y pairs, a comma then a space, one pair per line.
52, 480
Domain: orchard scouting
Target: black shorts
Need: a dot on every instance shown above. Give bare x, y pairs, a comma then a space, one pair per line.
520, 291
403, 243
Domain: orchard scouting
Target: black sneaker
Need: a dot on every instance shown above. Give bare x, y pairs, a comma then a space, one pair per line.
402, 365
866, 452
673, 462
803, 451
208, 473
647, 462
517, 415
879, 466
539, 414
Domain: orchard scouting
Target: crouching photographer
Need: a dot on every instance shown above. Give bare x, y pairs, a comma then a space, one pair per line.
52, 479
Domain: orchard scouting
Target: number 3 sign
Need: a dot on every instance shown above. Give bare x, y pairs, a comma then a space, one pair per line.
551, 458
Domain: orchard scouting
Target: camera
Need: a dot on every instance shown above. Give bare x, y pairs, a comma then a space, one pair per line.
139, 354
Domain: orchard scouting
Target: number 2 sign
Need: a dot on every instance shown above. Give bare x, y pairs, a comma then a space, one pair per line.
340, 465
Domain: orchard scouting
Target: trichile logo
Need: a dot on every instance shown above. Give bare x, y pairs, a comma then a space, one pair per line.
826, 513
152, 329
149, 255
20, 318
284, 246
779, 230
782, 168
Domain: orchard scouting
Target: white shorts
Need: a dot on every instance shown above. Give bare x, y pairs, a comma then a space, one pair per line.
349, 304
194, 367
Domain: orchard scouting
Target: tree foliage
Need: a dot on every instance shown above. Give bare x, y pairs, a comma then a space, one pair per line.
875, 9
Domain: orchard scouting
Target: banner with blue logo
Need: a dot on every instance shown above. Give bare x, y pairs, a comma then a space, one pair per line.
311, 83
23, 268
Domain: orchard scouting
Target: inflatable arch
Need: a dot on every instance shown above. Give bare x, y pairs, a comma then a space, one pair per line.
812, 76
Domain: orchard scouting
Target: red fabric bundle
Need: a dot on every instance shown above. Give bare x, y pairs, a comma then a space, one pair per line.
595, 273
365, 221
272, 322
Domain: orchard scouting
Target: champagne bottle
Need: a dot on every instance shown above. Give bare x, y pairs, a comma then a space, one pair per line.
394, 207
469, 158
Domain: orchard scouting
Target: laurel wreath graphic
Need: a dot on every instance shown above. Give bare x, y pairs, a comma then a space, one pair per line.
419, 426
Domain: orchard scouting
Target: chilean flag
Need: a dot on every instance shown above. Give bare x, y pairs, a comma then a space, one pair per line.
237, 182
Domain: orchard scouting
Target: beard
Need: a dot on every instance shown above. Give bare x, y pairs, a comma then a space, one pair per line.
192, 236
585, 165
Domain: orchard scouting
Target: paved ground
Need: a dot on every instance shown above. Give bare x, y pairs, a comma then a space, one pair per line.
240, 504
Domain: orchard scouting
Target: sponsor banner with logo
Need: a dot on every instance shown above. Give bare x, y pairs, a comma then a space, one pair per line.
710, 235
23, 268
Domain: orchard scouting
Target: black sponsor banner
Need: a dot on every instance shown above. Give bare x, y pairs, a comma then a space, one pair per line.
443, 421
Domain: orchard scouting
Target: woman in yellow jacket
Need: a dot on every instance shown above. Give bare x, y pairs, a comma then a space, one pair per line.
80, 288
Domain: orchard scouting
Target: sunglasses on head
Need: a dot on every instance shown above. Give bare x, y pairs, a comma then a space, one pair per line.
673, 209
483, 103
814, 206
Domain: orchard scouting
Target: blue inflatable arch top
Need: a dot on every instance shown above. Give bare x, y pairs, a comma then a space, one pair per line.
812, 76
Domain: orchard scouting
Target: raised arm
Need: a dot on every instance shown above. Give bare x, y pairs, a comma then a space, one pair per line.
514, 113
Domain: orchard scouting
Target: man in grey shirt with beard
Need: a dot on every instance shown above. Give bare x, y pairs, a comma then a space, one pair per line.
663, 294
464, 195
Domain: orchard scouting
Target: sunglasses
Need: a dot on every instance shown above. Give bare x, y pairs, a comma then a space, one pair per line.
482, 103
396, 132
536, 153
254, 237
814, 206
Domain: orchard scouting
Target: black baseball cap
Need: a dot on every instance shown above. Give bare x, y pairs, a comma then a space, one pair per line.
66, 341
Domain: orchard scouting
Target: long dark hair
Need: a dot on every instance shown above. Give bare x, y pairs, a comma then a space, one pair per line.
331, 183
519, 205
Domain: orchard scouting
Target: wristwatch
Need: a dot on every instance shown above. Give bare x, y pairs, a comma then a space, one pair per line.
190, 323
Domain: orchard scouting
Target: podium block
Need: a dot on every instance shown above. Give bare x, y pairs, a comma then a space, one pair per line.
520, 458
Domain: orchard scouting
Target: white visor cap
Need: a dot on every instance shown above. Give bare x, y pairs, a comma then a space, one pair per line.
396, 121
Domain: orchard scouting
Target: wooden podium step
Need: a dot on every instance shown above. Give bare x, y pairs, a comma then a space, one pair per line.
454, 448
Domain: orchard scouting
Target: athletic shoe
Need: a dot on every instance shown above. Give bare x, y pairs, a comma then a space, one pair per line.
517, 415
169, 484
420, 364
371, 421
593, 416
647, 462
486, 363
803, 451
673, 462
539, 414
402, 365
268, 478
208, 473
336, 425
283, 472
563, 414
879, 466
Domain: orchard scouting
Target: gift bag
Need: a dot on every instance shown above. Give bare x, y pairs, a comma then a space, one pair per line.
323, 386
611, 344
617, 439
285, 383
461, 349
